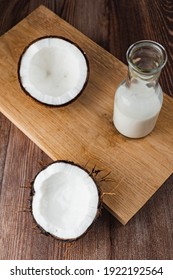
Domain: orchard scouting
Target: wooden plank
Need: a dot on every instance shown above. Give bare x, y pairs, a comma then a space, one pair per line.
131, 170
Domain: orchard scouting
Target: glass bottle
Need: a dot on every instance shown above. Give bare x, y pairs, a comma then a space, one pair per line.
139, 98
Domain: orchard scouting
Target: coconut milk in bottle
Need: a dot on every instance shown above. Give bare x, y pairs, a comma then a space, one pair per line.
138, 99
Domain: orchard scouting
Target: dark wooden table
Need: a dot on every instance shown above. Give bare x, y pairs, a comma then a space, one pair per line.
114, 25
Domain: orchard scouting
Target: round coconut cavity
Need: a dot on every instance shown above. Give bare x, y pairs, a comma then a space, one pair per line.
65, 200
53, 70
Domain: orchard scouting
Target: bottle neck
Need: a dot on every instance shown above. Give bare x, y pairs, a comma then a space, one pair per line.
146, 59
145, 79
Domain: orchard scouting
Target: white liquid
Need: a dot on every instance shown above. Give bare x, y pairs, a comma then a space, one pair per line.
136, 109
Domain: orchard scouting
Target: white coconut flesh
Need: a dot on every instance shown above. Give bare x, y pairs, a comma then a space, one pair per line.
65, 201
53, 70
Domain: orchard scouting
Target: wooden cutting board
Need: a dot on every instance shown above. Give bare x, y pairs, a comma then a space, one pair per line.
130, 170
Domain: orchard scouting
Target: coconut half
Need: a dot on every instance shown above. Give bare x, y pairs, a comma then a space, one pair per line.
53, 70
65, 200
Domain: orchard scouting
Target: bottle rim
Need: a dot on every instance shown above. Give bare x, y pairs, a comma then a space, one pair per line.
146, 43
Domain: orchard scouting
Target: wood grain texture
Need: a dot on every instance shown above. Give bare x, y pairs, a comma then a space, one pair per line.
105, 22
